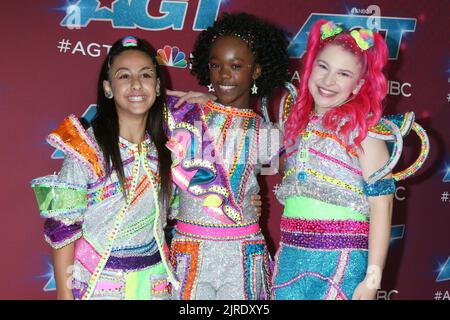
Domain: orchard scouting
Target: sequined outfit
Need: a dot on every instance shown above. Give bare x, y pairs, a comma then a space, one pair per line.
218, 250
120, 252
325, 224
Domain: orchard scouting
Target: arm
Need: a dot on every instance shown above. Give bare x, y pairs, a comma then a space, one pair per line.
62, 262
191, 97
375, 155
62, 200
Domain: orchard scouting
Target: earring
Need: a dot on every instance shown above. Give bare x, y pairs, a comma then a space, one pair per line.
254, 88
108, 94
356, 91
158, 93
210, 88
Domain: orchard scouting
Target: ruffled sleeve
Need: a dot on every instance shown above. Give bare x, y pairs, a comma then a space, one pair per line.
62, 198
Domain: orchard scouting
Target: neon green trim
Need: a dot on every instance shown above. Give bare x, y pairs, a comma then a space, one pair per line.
308, 208
138, 284
56, 198
132, 229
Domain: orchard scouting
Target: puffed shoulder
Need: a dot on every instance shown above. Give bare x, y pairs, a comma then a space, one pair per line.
71, 138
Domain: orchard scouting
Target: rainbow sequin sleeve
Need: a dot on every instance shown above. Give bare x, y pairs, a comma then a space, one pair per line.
62, 201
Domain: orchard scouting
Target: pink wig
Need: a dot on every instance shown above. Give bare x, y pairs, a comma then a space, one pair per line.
361, 112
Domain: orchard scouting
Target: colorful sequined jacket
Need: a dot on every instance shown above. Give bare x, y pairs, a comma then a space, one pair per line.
218, 179
319, 166
80, 204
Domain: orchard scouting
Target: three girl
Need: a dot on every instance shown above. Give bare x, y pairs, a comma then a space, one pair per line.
105, 210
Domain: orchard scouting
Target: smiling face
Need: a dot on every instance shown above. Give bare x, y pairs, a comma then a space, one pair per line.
336, 75
232, 71
133, 82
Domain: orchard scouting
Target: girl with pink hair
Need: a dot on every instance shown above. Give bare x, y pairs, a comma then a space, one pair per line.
327, 250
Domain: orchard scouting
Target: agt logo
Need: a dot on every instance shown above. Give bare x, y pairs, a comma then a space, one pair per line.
446, 174
394, 29
444, 271
49, 277
131, 14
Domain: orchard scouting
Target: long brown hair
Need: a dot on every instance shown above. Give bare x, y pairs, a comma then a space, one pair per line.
106, 123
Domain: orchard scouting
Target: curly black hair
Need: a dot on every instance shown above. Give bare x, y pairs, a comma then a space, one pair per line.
268, 44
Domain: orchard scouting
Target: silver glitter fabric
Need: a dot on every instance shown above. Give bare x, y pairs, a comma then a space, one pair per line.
322, 255
327, 172
209, 268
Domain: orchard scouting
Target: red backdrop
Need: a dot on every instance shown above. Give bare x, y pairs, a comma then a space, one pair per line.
49, 70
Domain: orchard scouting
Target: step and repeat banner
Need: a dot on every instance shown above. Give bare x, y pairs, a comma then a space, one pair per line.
51, 53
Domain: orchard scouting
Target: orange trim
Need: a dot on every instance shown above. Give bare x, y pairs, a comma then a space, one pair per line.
192, 249
229, 110
140, 189
333, 136
70, 135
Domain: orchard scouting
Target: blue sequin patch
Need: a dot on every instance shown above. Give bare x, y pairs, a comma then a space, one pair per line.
379, 188
302, 175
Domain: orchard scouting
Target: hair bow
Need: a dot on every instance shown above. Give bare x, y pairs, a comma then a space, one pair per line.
329, 29
363, 38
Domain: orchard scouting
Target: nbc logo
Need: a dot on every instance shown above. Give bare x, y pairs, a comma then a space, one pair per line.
447, 174
171, 57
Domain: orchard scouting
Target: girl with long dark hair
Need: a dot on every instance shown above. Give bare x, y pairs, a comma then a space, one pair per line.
106, 209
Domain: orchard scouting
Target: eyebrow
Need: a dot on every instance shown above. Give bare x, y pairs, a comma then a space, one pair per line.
234, 58
127, 69
344, 70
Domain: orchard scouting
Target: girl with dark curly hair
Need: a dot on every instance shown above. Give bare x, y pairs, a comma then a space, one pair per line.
218, 147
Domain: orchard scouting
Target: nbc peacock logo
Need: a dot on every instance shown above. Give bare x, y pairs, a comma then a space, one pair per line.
171, 57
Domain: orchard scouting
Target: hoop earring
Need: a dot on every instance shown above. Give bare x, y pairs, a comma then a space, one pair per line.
254, 88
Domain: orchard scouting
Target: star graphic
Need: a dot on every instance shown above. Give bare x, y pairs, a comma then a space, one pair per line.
51, 283
254, 89
447, 175
105, 4
444, 271
397, 231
